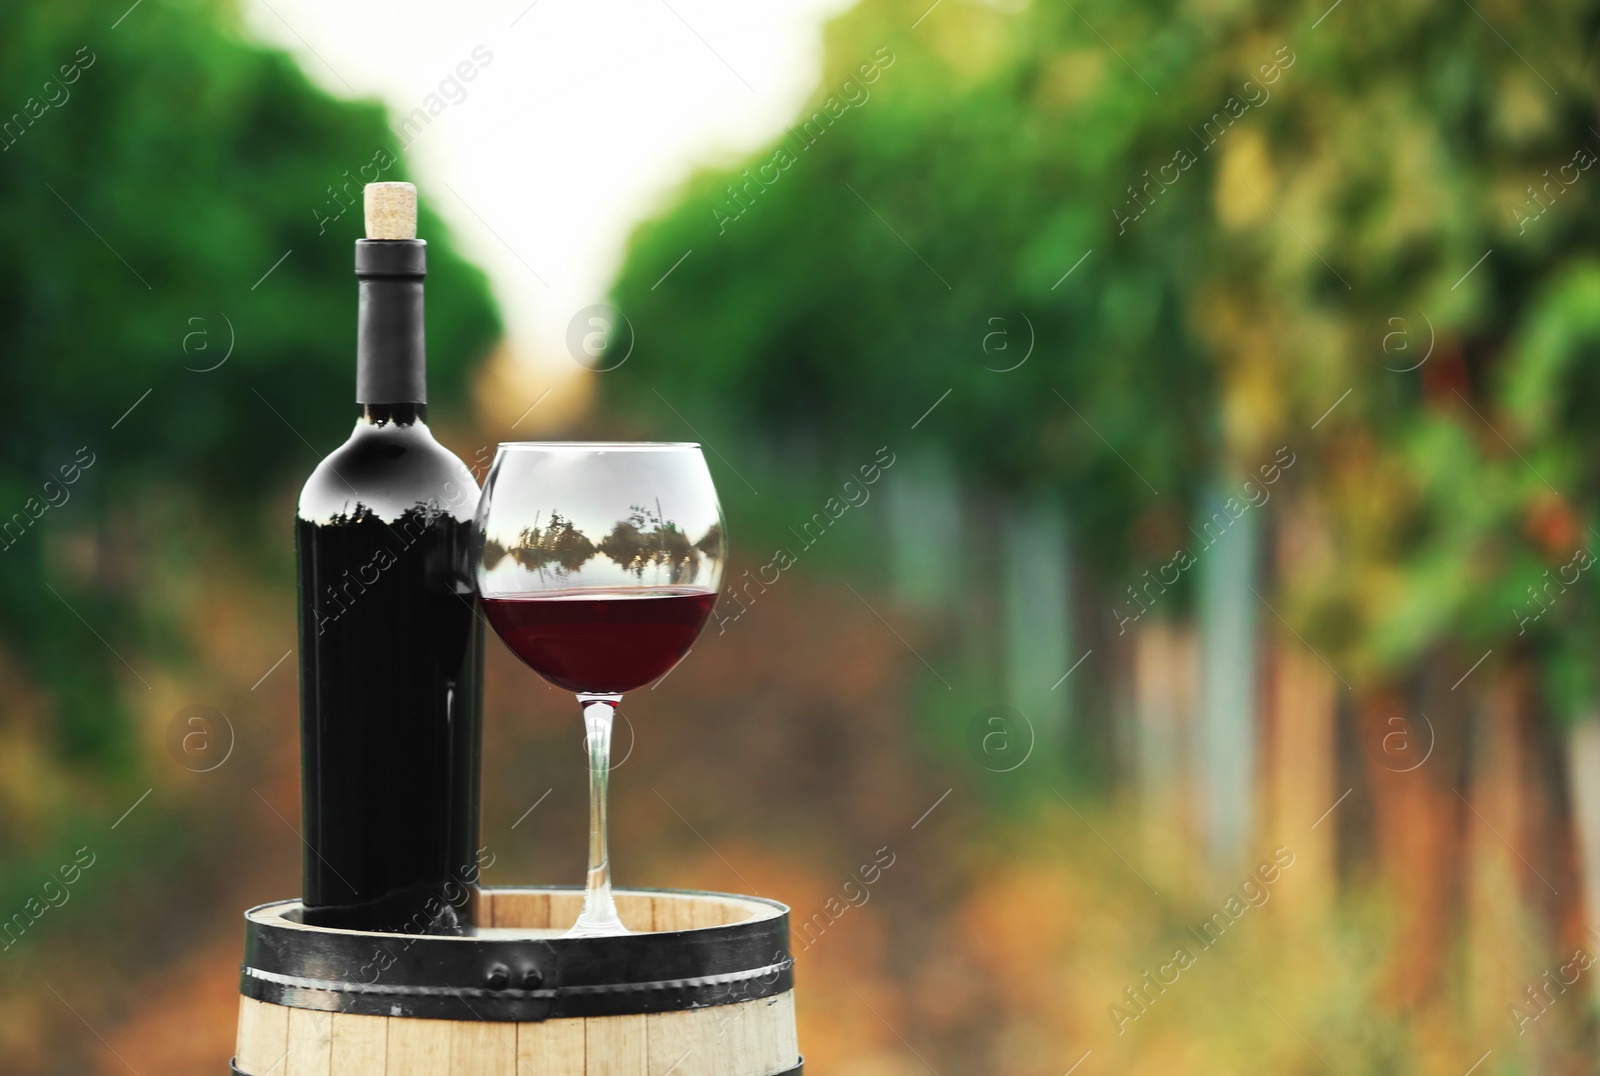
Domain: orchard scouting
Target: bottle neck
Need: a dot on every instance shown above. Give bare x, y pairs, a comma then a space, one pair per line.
394, 414
391, 364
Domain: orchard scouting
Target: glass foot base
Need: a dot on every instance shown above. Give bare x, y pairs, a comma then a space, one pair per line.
597, 927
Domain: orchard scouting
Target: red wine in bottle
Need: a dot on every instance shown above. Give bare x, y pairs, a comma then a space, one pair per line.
602, 641
391, 644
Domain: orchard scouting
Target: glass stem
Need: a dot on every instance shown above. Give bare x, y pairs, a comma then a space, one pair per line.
599, 917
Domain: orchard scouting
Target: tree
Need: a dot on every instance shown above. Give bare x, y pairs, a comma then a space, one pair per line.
177, 312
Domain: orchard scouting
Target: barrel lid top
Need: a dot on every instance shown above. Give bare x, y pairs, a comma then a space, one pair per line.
286, 914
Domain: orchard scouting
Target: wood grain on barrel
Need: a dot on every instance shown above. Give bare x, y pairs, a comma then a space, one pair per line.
553, 1048
483, 1048
263, 1037
419, 1047
616, 1046
637, 911
310, 1043
782, 1040
564, 909
751, 1038
678, 1043
520, 909
360, 1045
673, 915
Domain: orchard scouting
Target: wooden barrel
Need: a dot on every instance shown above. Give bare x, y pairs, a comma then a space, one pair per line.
703, 988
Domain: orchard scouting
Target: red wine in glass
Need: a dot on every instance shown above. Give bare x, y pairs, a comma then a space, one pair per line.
602, 641
598, 564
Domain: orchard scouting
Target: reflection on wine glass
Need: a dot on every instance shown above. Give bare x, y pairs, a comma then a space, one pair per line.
598, 564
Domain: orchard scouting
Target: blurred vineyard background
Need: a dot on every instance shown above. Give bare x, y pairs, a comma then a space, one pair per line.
1227, 374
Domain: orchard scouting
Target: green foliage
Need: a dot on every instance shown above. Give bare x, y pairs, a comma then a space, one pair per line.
144, 210
913, 247
1342, 176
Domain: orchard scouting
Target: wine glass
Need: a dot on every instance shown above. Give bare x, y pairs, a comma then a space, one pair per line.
598, 564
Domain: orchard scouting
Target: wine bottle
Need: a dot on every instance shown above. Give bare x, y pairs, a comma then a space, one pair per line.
391, 643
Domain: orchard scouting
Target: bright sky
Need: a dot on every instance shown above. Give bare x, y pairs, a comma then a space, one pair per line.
582, 120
